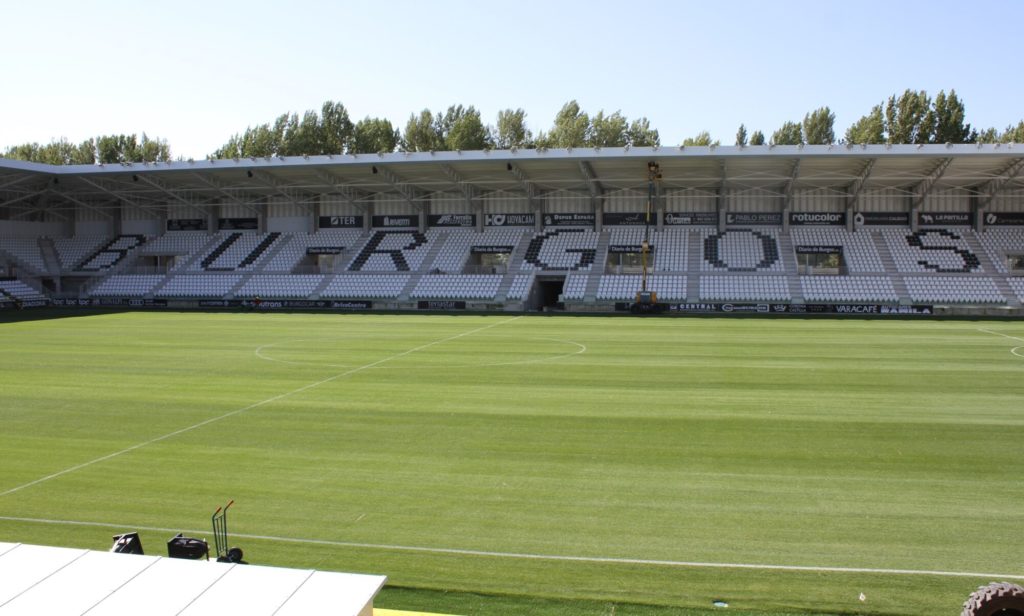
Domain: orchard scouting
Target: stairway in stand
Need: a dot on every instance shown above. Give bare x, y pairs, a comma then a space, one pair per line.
694, 259
597, 269
893, 272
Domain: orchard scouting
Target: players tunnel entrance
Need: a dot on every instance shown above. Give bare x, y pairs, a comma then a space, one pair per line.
549, 292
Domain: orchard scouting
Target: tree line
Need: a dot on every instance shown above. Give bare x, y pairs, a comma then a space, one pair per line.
106, 149
456, 128
912, 117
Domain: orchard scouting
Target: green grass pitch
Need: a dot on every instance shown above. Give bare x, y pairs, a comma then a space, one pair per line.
459, 454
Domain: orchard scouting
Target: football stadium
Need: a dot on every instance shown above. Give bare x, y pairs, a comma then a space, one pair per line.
755, 380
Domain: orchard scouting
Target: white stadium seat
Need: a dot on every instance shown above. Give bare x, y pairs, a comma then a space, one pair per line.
744, 288
280, 286
954, 290
365, 286
834, 289
126, 286
198, 286
467, 286
859, 252
625, 287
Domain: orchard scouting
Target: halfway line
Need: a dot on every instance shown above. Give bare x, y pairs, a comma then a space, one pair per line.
550, 557
250, 407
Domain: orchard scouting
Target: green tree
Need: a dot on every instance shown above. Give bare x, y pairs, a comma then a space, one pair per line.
152, 150
757, 138
335, 129
907, 118
868, 129
302, 137
1013, 134
741, 135
608, 131
30, 152
112, 149
259, 141
571, 129
818, 127
947, 120
109, 149
462, 129
989, 135
329, 132
421, 134
701, 138
59, 152
443, 122
233, 148
791, 133
511, 131
373, 135
640, 134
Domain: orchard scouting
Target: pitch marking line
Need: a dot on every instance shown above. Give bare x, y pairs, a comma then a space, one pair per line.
552, 557
989, 331
1015, 350
206, 422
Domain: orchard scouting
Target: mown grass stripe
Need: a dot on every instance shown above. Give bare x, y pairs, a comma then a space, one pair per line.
249, 407
552, 557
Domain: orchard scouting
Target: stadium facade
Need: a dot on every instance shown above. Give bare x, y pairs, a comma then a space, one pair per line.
787, 229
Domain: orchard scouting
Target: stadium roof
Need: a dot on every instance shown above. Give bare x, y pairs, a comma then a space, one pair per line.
416, 177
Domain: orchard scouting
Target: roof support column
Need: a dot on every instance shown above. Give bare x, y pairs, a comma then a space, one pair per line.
992, 190
407, 192
348, 193
721, 205
853, 192
787, 204
533, 199
924, 189
469, 194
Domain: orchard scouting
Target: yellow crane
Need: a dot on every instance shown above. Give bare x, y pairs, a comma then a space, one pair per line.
646, 300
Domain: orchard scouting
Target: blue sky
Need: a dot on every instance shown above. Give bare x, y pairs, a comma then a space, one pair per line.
195, 72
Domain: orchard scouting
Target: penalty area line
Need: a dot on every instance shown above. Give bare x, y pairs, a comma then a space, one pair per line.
286, 394
547, 557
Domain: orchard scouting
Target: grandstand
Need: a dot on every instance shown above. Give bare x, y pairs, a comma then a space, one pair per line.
933, 228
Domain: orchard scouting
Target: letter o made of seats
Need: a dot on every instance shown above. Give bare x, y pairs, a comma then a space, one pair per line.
769, 250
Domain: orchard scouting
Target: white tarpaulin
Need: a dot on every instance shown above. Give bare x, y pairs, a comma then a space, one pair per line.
64, 581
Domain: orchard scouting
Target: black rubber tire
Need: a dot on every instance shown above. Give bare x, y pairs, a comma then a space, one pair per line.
996, 599
235, 556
